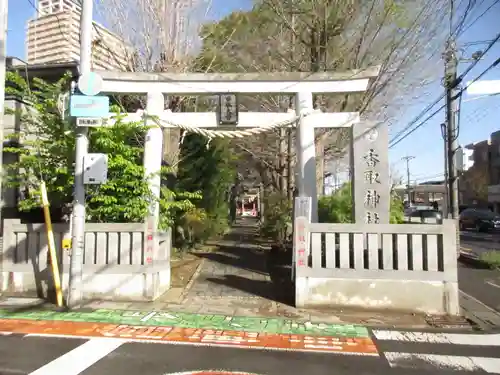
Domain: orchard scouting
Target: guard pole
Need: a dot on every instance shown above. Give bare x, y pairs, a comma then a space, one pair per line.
54, 263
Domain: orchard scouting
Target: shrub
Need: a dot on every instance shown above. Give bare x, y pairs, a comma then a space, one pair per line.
277, 217
337, 208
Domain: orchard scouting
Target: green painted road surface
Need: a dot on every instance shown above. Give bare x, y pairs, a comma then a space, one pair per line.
200, 321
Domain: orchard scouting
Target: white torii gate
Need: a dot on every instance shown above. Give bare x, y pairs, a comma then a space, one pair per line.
302, 84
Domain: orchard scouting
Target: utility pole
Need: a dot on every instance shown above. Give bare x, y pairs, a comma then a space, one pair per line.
408, 188
446, 208
452, 93
289, 174
3, 52
78, 241
282, 160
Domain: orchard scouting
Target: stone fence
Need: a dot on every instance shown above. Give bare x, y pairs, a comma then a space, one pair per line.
410, 267
114, 262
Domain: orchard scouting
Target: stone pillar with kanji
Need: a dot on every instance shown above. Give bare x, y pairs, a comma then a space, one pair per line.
370, 173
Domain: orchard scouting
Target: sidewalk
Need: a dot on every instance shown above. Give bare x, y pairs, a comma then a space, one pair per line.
232, 282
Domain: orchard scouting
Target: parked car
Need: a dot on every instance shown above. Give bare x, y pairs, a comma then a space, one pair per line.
425, 216
479, 219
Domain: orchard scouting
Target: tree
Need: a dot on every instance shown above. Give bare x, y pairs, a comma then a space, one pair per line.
160, 36
45, 150
208, 167
474, 184
403, 37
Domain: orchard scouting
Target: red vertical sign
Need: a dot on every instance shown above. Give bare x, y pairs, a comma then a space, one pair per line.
301, 241
149, 240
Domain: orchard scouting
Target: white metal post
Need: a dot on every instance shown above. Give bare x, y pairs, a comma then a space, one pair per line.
3, 49
153, 153
78, 241
306, 153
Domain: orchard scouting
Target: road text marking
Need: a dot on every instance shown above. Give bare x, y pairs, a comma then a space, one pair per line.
193, 336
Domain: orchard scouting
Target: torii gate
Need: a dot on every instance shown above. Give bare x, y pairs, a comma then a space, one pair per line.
302, 84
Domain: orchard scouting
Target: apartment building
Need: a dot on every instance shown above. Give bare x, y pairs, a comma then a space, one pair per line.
480, 184
53, 37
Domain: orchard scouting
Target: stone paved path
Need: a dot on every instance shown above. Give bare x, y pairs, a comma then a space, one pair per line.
236, 269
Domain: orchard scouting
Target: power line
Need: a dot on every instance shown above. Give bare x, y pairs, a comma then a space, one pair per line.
427, 177
494, 64
478, 18
392, 144
394, 141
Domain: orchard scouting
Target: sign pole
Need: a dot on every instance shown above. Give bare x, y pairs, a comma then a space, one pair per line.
78, 241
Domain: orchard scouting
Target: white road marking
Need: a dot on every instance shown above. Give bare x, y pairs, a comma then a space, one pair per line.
80, 358
439, 338
493, 284
148, 316
443, 362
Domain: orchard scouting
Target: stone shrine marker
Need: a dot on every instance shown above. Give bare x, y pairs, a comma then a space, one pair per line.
370, 178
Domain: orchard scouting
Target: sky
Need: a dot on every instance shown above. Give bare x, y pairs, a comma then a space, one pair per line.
478, 118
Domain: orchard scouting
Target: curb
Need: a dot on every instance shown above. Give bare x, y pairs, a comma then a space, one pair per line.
483, 316
190, 283
474, 261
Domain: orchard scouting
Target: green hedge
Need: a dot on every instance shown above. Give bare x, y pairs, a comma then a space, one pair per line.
337, 208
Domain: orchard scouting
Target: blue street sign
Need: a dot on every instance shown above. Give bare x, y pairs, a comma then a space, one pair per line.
89, 106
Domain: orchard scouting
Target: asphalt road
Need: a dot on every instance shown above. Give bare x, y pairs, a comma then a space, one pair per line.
479, 286
482, 284
400, 353
482, 240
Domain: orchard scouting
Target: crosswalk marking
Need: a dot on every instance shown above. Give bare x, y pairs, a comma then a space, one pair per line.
439, 338
443, 362
81, 358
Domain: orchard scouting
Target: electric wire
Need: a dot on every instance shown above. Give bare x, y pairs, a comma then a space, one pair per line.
478, 17
401, 134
